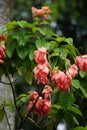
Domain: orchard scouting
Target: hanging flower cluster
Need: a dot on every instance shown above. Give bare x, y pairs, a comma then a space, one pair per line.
44, 12
81, 62
62, 80
42, 105
59, 78
42, 69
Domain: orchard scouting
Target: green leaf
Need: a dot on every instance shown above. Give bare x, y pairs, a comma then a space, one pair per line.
66, 99
20, 36
54, 54
10, 46
24, 24
40, 43
1, 114
83, 91
69, 40
31, 53
82, 74
50, 126
28, 77
75, 120
76, 83
80, 128
46, 31
72, 50
21, 70
11, 25
22, 51
61, 39
76, 110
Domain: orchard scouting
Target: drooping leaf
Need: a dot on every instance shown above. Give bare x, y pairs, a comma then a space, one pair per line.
28, 77
66, 99
82, 73
76, 110
22, 51
31, 53
72, 50
10, 46
83, 91
20, 36
76, 83
1, 114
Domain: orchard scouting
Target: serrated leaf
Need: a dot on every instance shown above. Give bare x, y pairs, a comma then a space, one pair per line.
28, 77
66, 99
76, 110
1, 114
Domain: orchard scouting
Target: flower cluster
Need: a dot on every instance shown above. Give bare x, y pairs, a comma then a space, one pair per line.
62, 80
59, 78
81, 62
43, 12
41, 105
2, 48
42, 69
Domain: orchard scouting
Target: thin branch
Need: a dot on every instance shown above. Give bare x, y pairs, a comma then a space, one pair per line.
14, 98
34, 123
47, 123
4, 83
7, 119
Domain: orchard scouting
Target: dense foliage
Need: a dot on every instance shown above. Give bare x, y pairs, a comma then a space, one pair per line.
33, 51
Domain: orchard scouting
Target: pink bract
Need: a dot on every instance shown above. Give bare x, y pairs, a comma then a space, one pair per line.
42, 107
2, 53
81, 62
40, 55
33, 95
41, 72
